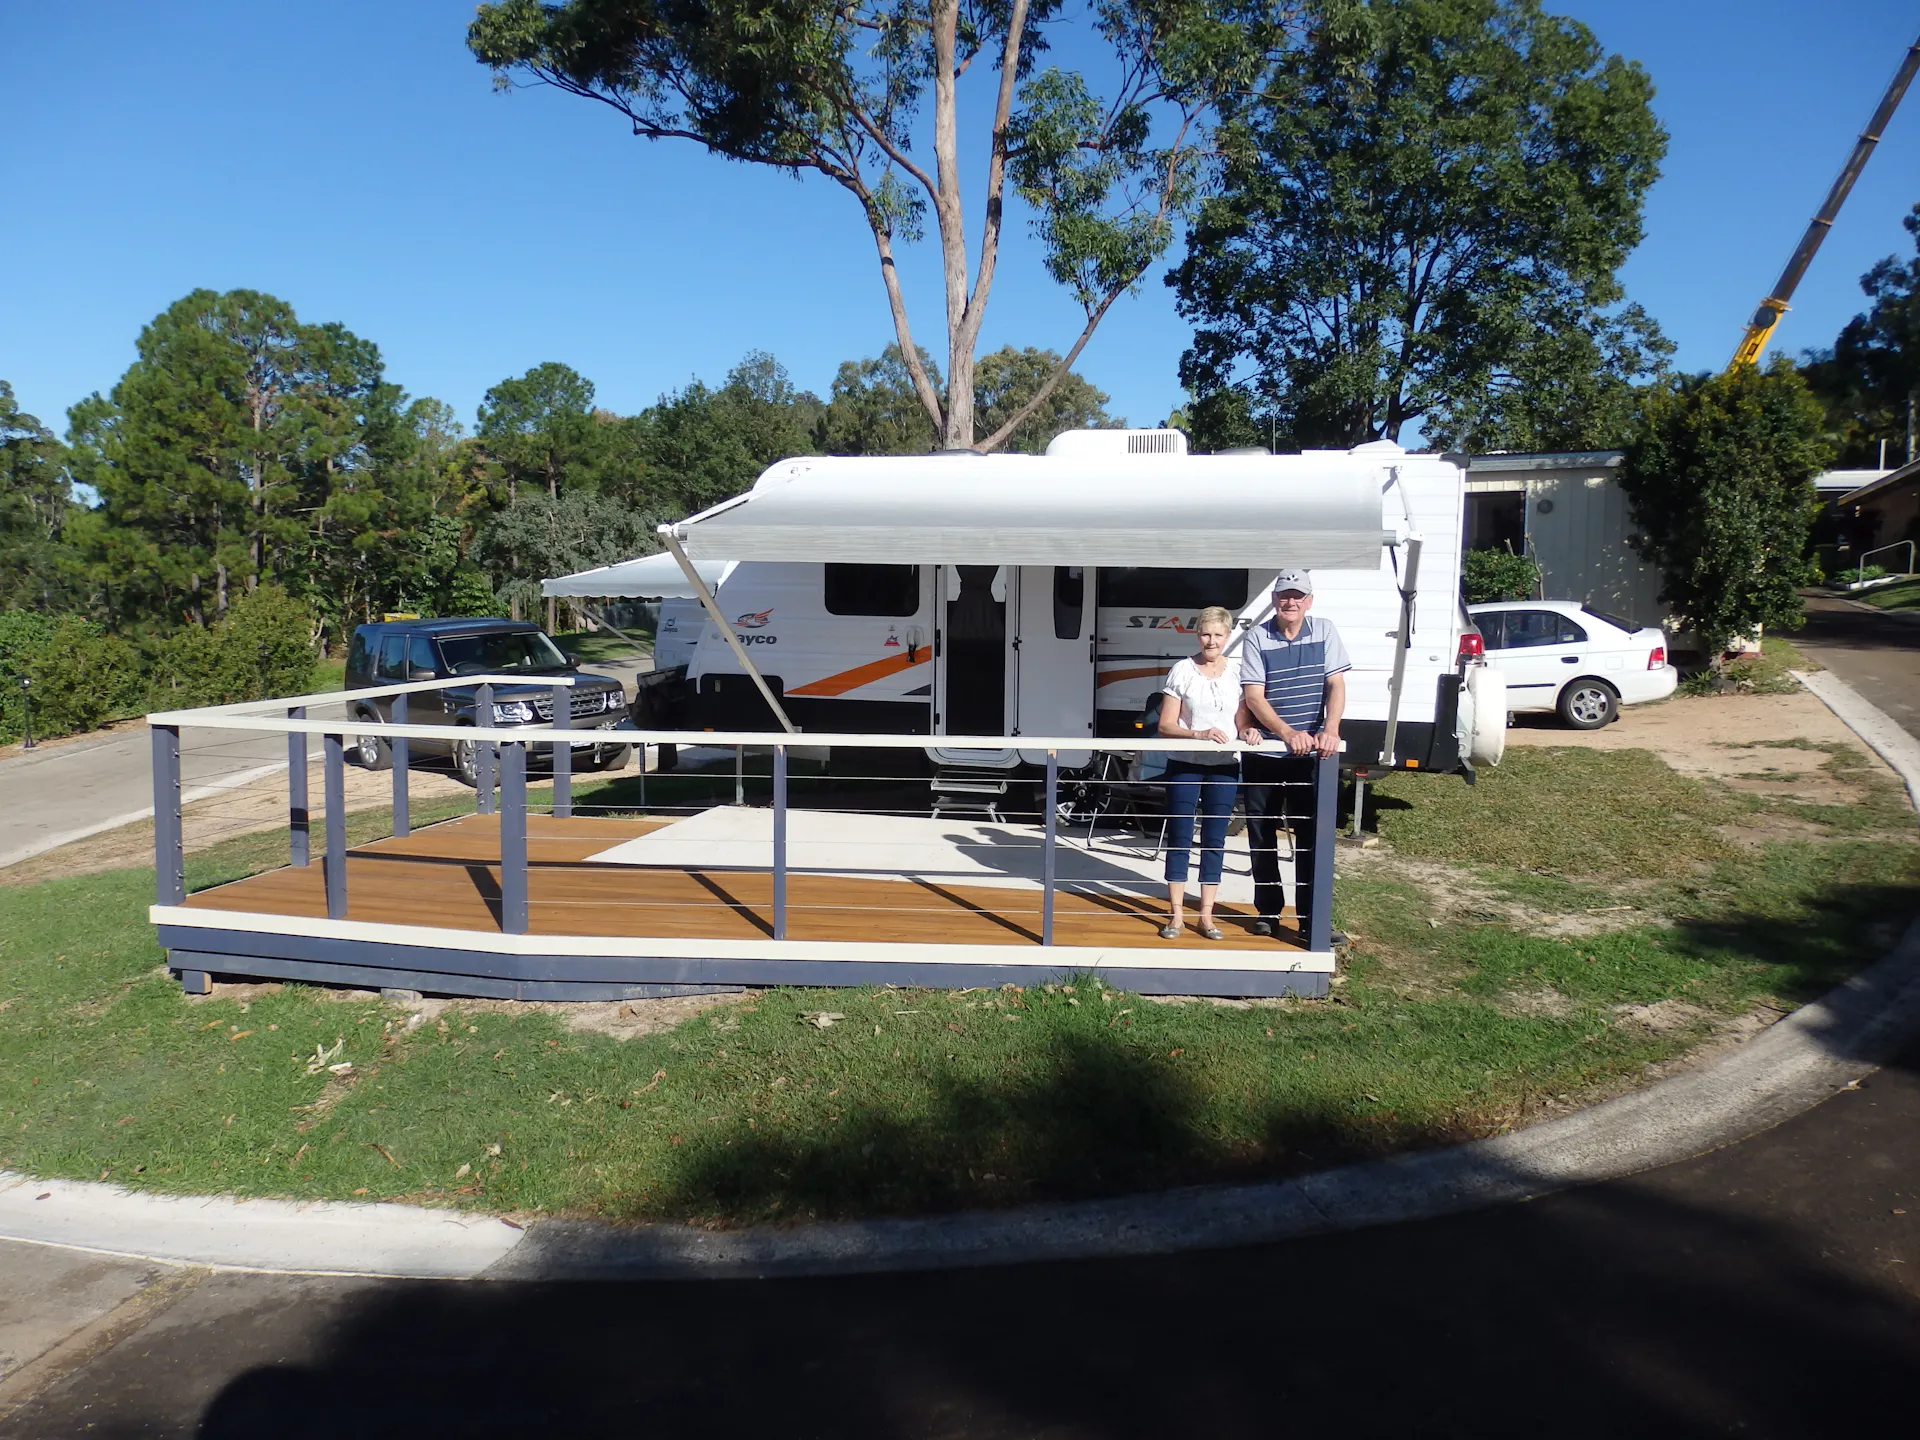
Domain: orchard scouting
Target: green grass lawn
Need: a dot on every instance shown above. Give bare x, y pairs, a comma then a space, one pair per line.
1453, 1020
1902, 596
599, 647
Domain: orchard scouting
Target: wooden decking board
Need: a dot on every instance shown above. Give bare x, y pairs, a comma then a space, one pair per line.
447, 876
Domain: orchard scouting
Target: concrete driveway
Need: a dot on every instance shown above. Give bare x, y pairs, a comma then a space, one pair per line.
1874, 651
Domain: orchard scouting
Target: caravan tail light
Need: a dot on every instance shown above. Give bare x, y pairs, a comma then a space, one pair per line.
1657, 658
1472, 646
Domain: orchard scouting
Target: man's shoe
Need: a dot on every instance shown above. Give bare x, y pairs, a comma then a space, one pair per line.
1262, 926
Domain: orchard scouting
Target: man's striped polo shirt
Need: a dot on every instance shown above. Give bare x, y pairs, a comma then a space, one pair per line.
1294, 672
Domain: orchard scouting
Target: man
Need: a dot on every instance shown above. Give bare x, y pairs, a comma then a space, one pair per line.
1293, 675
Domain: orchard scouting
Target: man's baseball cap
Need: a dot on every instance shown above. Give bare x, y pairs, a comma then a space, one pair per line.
1293, 580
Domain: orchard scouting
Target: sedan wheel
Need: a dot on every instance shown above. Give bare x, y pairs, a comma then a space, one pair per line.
1588, 704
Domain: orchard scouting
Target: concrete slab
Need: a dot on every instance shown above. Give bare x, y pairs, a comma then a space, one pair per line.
48, 1295
914, 848
322, 1238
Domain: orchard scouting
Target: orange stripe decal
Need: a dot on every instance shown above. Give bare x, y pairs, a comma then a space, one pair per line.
1114, 677
864, 674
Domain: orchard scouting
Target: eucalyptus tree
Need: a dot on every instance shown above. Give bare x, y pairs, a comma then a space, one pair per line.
1421, 214
842, 89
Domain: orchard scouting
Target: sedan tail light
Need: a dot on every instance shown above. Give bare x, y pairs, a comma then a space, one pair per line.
1657, 658
1472, 645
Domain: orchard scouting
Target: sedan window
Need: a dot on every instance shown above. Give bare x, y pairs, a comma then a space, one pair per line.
1525, 628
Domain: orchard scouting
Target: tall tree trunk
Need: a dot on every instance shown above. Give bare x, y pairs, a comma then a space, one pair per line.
953, 235
220, 588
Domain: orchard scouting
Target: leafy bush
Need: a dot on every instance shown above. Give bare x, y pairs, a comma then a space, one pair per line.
83, 677
1490, 575
262, 646
80, 676
1865, 572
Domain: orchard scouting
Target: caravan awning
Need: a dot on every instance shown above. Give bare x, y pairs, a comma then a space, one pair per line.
1268, 512
652, 577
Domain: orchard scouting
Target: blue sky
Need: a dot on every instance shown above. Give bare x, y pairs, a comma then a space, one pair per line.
351, 158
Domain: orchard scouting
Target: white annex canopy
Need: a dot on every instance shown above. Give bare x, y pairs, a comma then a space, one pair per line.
651, 577
1260, 511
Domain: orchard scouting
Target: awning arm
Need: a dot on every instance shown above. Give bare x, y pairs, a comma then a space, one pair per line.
672, 542
1409, 587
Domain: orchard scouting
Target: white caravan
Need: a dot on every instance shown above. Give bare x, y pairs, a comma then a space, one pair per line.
969, 595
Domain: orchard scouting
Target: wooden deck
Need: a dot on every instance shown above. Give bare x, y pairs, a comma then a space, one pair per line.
439, 890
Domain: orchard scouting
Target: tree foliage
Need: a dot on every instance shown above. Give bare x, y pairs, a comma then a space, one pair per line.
1720, 481
1872, 373
700, 445
1422, 214
36, 506
539, 536
841, 90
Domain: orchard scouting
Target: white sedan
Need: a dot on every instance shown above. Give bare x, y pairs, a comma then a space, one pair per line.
1573, 659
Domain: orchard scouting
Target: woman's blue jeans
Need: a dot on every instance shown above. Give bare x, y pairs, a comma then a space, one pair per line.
1208, 789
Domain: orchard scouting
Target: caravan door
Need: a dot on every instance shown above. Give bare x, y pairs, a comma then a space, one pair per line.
1053, 664
973, 670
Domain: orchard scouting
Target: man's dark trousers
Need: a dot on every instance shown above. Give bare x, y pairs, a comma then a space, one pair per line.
1280, 793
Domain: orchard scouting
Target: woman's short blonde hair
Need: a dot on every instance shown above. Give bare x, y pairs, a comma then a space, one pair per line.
1215, 615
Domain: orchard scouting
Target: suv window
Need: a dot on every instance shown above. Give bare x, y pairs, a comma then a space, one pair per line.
1525, 628
490, 653
393, 658
873, 589
422, 663
359, 661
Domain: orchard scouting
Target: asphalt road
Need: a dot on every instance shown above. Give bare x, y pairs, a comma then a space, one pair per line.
68, 790
1769, 1289
1876, 653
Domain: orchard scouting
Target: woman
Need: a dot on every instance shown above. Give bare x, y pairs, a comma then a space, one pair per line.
1202, 702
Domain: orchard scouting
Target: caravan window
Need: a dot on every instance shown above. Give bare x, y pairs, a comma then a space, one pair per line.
1069, 601
873, 589
1139, 586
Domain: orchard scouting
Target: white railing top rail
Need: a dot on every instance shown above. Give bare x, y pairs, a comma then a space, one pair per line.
270, 715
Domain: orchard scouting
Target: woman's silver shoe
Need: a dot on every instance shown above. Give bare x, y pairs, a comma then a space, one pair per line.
1169, 932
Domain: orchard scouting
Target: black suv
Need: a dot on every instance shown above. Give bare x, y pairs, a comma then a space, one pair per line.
402, 650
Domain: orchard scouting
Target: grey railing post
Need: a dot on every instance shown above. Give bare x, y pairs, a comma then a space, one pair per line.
779, 842
483, 750
739, 774
513, 838
1326, 783
402, 814
562, 752
335, 781
299, 817
169, 852
1047, 851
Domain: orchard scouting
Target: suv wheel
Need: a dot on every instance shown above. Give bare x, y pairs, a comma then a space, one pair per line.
466, 762
1588, 704
371, 752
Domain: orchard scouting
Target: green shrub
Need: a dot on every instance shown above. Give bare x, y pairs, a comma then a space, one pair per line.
1490, 575
80, 676
1864, 572
262, 646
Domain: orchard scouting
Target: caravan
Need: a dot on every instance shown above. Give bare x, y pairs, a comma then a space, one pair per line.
961, 595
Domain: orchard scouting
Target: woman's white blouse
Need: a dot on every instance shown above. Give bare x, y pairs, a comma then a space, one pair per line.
1206, 703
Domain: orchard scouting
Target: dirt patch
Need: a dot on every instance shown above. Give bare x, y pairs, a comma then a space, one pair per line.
1725, 738
1547, 1004
1662, 1016
1458, 896
621, 1019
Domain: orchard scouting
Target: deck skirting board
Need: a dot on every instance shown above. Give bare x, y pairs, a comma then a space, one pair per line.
508, 973
377, 977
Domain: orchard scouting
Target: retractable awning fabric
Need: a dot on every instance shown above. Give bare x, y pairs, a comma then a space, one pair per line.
1270, 512
652, 577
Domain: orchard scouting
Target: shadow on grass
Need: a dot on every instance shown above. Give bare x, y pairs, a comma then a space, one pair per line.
1839, 932
1725, 1295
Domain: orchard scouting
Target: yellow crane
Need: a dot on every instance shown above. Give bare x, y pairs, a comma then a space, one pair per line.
1760, 328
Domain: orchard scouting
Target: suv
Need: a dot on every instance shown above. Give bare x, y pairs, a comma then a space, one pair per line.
402, 650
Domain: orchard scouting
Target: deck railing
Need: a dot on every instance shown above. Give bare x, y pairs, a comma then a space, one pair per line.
502, 755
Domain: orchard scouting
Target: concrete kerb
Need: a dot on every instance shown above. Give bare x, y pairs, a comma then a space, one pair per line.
1818, 1050
1879, 730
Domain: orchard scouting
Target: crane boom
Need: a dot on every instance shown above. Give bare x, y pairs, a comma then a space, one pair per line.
1760, 328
